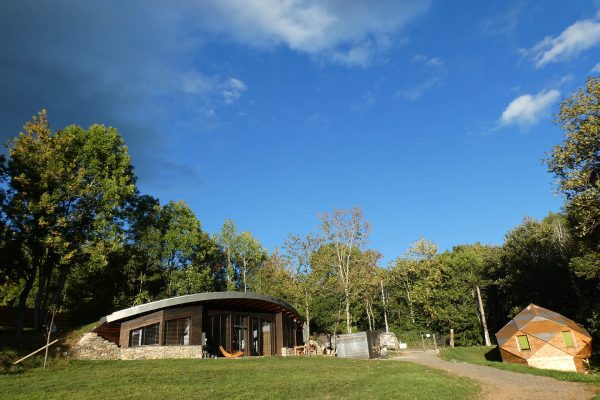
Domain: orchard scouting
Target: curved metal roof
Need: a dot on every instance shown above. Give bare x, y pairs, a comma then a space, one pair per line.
234, 298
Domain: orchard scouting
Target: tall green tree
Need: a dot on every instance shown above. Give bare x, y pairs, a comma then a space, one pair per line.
300, 251
65, 194
249, 255
180, 235
576, 164
227, 240
347, 231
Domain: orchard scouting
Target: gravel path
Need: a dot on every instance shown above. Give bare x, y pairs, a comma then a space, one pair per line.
498, 384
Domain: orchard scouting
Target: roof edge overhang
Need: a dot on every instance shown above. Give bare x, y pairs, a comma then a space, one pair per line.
134, 311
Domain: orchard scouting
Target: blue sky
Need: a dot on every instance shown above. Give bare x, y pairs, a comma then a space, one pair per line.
432, 116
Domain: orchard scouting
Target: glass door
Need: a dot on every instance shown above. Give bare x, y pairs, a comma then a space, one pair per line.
266, 342
240, 333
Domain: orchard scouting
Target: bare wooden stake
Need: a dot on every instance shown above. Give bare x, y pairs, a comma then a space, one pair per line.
35, 352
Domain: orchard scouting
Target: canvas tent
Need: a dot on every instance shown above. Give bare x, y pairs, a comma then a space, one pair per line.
542, 338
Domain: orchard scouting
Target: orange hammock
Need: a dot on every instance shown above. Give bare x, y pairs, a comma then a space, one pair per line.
231, 355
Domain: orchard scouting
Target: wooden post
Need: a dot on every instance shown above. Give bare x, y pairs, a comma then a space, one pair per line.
35, 352
53, 311
451, 337
486, 334
423, 341
434, 341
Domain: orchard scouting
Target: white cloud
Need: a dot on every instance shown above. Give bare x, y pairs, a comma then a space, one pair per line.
348, 33
502, 24
578, 37
596, 69
233, 90
229, 90
527, 110
197, 83
434, 74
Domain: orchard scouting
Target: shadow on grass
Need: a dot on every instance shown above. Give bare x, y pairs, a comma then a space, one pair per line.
493, 355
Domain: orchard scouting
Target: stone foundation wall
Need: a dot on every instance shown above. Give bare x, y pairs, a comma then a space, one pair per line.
287, 351
93, 347
156, 352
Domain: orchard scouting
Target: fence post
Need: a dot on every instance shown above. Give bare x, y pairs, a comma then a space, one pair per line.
451, 337
423, 341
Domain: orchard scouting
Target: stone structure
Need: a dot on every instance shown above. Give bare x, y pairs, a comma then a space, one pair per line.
93, 347
389, 341
156, 352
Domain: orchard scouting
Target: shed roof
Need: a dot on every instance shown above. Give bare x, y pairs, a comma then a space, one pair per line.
533, 313
256, 301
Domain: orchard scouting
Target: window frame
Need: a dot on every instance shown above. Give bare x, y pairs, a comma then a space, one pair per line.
520, 344
143, 336
571, 343
176, 321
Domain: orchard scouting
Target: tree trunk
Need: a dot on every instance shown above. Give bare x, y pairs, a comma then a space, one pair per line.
369, 316
244, 277
307, 342
387, 328
347, 293
62, 281
37, 303
486, 334
410, 306
23, 304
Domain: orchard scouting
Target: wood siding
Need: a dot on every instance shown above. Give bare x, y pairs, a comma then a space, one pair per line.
553, 348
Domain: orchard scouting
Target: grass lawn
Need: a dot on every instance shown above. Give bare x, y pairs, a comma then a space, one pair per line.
250, 378
490, 356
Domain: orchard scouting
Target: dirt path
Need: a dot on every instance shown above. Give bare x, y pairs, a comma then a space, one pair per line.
498, 384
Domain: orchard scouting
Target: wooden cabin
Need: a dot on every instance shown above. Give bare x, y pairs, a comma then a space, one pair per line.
542, 338
246, 323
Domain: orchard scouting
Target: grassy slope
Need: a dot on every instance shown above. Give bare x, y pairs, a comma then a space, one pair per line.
489, 356
255, 378
12, 348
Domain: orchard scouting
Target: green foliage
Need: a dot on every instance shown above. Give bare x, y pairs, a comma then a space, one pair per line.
436, 292
66, 191
576, 162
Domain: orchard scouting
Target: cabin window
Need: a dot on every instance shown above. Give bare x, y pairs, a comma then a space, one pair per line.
523, 342
568, 339
144, 336
177, 332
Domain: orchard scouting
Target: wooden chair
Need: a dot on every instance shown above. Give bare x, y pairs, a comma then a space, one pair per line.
231, 355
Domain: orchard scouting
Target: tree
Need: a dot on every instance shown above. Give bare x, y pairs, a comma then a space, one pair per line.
300, 252
348, 232
414, 267
180, 234
249, 255
533, 270
65, 194
576, 162
227, 240
368, 284
274, 278
143, 268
